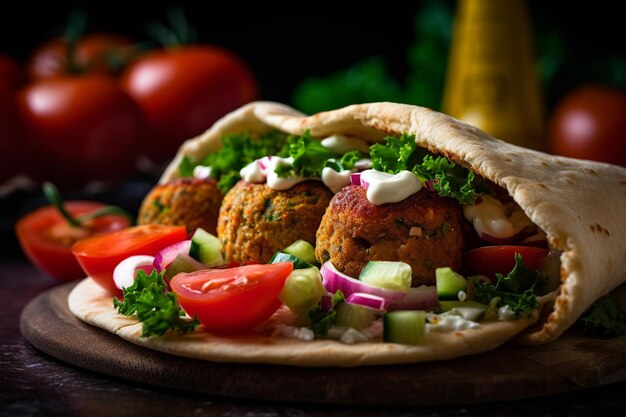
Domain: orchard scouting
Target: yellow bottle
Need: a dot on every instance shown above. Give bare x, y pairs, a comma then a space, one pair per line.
492, 82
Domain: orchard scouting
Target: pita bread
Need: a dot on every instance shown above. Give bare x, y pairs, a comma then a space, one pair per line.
581, 206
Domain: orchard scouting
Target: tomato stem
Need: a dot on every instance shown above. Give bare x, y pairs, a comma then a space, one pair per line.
75, 30
52, 194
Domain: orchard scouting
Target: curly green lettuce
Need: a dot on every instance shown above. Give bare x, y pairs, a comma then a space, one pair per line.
605, 318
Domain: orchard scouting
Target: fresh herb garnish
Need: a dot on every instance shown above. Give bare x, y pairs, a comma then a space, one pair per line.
446, 177
605, 318
310, 158
321, 320
237, 151
154, 306
516, 289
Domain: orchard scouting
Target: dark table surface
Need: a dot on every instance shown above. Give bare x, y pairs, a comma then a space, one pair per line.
35, 384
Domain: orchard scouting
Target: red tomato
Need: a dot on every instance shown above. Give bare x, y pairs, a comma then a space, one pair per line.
46, 237
11, 135
590, 123
86, 127
10, 71
232, 300
92, 51
99, 255
490, 260
182, 91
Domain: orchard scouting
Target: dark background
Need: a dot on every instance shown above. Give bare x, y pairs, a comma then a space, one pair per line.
286, 44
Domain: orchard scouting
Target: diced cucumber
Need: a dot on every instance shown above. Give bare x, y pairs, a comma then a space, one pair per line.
303, 290
404, 326
285, 257
470, 310
388, 275
182, 263
303, 250
449, 283
355, 316
206, 248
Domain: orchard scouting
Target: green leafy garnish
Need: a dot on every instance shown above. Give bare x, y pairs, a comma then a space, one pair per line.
322, 320
516, 289
447, 178
605, 318
154, 306
237, 151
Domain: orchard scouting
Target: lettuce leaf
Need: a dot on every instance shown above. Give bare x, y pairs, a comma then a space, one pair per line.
605, 318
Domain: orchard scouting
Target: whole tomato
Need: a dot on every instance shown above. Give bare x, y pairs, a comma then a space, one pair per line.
10, 71
590, 123
91, 55
183, 90
11, 141
86, 128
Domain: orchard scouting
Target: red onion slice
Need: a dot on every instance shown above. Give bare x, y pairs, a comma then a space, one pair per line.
355, 178
124, 272
420, 298
333, 281
367, 300
167, 255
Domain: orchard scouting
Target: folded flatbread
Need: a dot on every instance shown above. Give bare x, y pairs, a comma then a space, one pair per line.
580, 205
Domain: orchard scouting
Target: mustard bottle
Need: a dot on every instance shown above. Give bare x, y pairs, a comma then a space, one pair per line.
491, 80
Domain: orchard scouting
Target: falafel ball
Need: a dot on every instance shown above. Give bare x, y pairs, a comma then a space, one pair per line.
187, 202
424, 230
256, 221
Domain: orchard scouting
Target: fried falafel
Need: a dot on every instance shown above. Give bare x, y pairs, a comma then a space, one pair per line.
255, 221
186, 202
424, 230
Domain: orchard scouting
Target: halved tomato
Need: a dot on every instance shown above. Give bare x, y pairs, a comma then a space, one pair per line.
99, 255
46, 237
232, 300
489, 260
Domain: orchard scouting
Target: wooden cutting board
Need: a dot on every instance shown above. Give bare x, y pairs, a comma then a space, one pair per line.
510, 372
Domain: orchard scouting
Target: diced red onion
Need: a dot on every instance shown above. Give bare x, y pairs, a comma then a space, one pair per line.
326, 303
430, 184
367, 300
333, 280
124, 272
420, 298
166, 256
355, 178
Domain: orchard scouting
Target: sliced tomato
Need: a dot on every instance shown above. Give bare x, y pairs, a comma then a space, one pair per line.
46, 237
99, 255
489, 260
232, 300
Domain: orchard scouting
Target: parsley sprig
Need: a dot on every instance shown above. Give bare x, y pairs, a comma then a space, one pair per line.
516, 289
446, 177
605, 318
321, 320
155, 306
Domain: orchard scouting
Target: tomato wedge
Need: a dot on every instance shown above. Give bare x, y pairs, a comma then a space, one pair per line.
99, 255
489, 260
46, 237
232, 300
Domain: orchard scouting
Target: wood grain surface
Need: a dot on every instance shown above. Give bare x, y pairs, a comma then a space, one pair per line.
510, 372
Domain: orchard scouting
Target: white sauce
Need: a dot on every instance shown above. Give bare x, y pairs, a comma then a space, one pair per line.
449, 323
506, 313
342, 144
280, 183
253, 173
202, 172
387, 188
334, 180
491, 217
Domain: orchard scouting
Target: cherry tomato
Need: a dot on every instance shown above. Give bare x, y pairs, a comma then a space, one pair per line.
99, 255
12, 148
86, 127
590, 123
10, 71
46, 237
182, 91
232, 300
91, 55
489, 260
